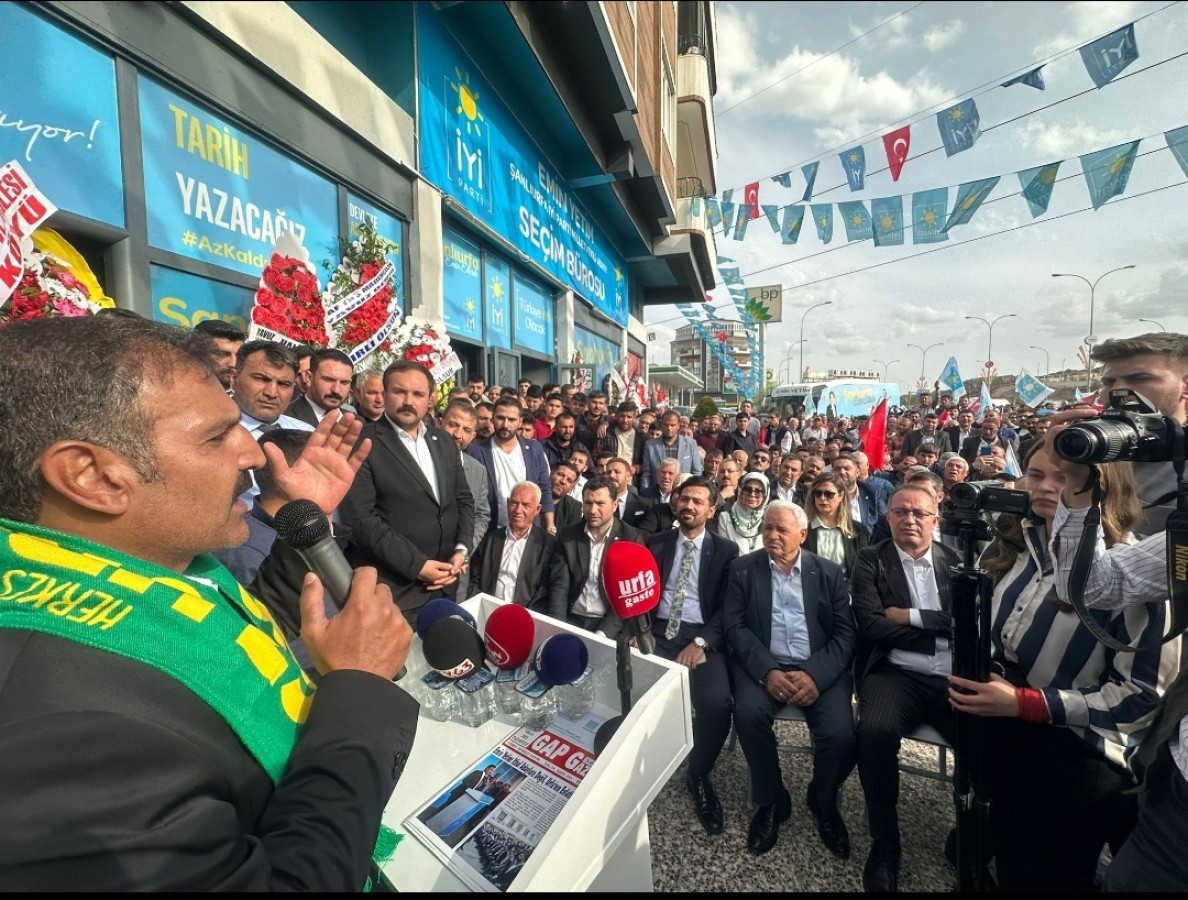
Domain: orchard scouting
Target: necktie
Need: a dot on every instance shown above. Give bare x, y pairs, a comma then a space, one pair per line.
682, 588
271, 426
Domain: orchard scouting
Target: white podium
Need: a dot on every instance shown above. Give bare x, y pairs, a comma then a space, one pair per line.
600, 840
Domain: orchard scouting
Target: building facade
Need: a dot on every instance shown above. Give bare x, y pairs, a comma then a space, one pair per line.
691, 353
529, 164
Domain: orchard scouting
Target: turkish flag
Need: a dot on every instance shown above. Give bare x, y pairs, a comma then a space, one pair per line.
751, 198
873, 434
897, 144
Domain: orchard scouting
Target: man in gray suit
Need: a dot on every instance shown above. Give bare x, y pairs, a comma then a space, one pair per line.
670, 444
460, 421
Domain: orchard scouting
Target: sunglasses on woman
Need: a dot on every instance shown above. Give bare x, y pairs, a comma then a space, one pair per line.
828, 495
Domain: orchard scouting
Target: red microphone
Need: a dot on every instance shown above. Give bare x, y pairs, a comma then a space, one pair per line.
631, 580
509, 634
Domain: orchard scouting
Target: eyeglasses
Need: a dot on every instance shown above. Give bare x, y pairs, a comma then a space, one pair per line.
753, 490
828, 495
902, 512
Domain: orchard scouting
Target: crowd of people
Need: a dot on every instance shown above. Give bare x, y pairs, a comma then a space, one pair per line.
795, 569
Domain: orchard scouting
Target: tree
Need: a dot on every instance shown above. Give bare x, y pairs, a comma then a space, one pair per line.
705, 407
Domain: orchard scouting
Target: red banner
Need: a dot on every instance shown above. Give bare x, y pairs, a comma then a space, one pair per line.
873, 434
751, 198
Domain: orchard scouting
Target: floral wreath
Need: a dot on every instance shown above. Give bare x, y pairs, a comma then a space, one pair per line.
48, 288
363, 287
289, 301
426, 342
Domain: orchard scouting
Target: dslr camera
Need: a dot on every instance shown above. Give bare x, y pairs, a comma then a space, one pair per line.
1131, 430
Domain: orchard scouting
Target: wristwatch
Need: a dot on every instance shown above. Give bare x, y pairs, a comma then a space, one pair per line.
700, 642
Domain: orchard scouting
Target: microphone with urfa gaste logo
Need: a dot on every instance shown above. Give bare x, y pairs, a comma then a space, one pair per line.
631, 580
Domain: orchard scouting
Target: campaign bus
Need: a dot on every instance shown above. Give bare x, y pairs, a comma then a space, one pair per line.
841, 398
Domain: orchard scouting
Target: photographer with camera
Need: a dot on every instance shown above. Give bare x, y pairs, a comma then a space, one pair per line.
1152, 858
1057, 699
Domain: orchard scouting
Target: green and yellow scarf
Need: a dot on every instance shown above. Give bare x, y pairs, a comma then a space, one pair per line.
201, 628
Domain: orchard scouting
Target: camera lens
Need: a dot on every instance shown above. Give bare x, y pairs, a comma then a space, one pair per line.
965, 496
1102, 440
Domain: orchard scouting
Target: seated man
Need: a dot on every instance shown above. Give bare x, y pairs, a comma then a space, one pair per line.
688, 629
788, 621
901, 603
575, 572
512, 561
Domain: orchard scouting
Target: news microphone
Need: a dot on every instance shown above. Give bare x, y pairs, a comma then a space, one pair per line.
561, 659
453, 648
303, 526
436, 610
631, 580
508, 636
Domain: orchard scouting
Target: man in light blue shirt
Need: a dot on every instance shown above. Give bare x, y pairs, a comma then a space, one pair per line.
787, 618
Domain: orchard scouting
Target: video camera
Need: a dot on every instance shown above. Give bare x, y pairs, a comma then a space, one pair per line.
1131, 430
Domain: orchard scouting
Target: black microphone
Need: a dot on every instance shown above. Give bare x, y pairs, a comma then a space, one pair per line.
304, 527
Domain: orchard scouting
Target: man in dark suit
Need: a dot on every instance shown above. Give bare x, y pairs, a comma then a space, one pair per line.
330, 376
512, 562
688, 629
927, 433
410, 510
987, 437
460, 422
900, 591
667, 474
510, 459
871, 504
566, 510
629, 505
575, 571
962, 430
788, 621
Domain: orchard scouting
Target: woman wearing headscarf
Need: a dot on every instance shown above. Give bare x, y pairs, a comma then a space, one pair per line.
832, 533
741, 520
1063, 711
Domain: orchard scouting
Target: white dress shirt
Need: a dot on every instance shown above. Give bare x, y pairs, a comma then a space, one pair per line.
590, 602
509, 564
419, 448
921, 579
510, 470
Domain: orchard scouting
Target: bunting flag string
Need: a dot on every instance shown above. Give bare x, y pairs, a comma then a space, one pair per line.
928, 216
1108, 171
1037, 187
959, 126
856, 219
854, 162
1106, 57
887, 215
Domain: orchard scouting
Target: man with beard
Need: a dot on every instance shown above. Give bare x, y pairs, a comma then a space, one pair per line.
594, 424
711, 436
566, 509
624, 440
330, 374
510, 459
227, 339
368, 394
475, 386
484, 425
559, 446
688, 629
410, 509
788, 484
866, 504
458, 422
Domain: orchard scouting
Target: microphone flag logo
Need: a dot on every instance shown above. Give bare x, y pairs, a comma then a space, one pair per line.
498, 654
638, 588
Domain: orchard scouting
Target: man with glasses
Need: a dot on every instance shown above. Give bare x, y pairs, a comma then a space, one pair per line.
900, 594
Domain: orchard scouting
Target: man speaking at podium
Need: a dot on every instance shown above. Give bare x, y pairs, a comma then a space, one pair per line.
156, 734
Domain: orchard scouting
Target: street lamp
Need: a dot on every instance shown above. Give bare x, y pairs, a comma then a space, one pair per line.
1047, 358
923, 357
806, 312
886, 366
1090, 339
990, 325
1153, 322
787, 359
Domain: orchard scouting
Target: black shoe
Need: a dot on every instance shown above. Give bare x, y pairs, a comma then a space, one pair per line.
881, 873
705, 803
765, 826
831, 828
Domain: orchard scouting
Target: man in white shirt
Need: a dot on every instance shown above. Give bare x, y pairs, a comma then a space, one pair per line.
510, 459
580, 460
512, 562
900, 591
788, 485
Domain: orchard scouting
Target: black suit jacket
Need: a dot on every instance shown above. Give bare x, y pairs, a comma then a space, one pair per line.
300, 409
878, 583
850, 547
660, 517
570, 567
532, 584
969, 450
716, 556
566, 511
746, 613
635, 508
396, 523
914, 438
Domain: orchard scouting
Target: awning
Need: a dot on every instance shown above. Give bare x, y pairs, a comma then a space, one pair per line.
674, 376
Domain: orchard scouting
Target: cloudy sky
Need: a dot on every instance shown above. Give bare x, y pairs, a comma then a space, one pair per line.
800, 82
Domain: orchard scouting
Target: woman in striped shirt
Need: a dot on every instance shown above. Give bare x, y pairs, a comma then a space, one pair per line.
1066, 710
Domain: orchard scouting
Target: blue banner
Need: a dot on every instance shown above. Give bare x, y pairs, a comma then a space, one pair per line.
929, 209
223, 196
462, 285
1177, 143
596, 352
58, 115
1037, 187
810, 178
856, 219
886, 214
959, 126
823, 219
497, 300
182, 299
474, 150
970, 196
1108, 171
1034, 78
1106, 57
854, 162
534, 315
793, 219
